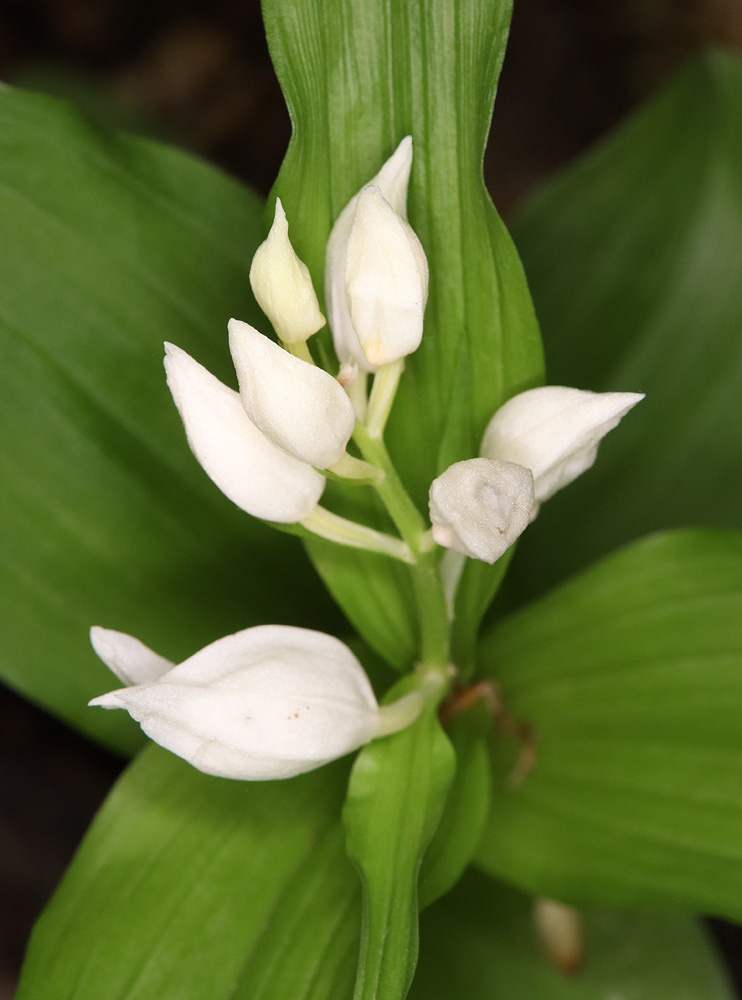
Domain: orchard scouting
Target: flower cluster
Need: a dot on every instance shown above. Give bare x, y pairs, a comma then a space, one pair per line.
273, 701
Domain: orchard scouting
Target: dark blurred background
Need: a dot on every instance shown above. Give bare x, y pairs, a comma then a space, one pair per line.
198, 74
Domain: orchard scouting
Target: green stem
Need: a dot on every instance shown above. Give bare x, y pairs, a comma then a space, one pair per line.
429, 596
338, 529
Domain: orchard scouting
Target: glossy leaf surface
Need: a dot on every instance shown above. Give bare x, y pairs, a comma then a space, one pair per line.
630, 676
108, 246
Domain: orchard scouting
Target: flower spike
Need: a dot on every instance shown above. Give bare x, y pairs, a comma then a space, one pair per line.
269, 702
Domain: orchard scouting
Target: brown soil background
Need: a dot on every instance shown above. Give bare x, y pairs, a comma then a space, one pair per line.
198, 74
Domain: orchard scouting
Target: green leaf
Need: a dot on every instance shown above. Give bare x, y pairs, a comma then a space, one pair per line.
108, 246
458, 834
633, 260
190, 886
396, 795
630, 676
479, 942
357, 79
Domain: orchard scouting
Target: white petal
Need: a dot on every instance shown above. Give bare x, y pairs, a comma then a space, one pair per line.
386, 280
127, 657
554, 431
301, 408
392, 180
252, 472
480, 506
283, 286
267, 702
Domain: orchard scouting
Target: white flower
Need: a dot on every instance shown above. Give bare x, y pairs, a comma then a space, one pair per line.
480, 506
268, 702
283, 286
300, 408
244, 464
554, 431
392, 180
386, 280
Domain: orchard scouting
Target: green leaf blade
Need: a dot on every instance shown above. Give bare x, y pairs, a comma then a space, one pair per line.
195, 887
632, 258
108, 246
630, 675
480, 942
395, 800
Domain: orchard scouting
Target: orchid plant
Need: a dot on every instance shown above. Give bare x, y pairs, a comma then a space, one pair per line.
314, 780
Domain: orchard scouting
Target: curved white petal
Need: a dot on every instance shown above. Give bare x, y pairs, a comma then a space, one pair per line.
480, 506
554, 431
127, 657
283, 286
300, 408
244, 464
268, 702
392, 180
386, 280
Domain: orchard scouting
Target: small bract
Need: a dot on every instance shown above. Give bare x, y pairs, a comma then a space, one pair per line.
268, 702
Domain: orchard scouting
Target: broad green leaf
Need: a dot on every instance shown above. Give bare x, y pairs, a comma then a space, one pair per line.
479, 942
633, 260
190, 886
630, 676
357, 79
458, 834
108, 246
396, 795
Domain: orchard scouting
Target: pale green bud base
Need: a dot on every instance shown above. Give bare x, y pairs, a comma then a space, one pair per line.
338, 529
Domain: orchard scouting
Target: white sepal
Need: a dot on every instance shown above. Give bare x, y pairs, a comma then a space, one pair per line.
244, 464
268, 702
554, 431
283, 286
386, 280
392, 180
300, 408
127, 657
480, 506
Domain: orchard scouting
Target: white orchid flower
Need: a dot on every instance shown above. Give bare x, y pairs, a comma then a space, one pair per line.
302, 409
554, 431
479, 507
268, 702
283, 286
392, 181
386, 280
248, 468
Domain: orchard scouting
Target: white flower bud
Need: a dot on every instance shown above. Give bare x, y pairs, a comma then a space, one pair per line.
386, 280
268, 702
554, 431
480, 506
300, 408
283, 286
244, 464
560, 931
392, 180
